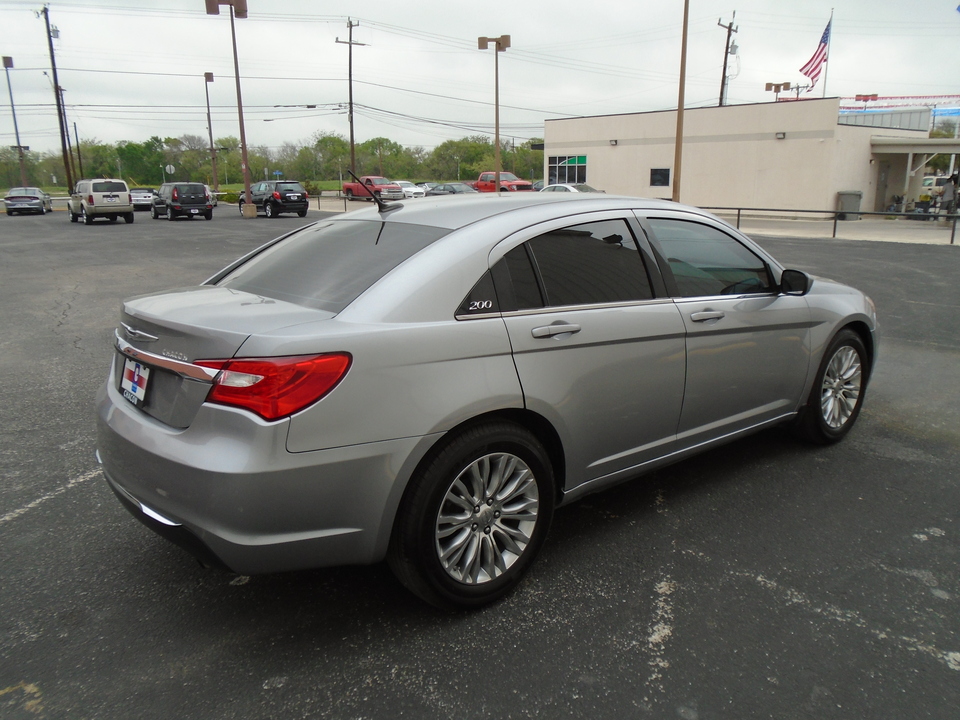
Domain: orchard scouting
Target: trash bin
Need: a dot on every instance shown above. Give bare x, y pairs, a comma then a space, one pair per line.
848, 204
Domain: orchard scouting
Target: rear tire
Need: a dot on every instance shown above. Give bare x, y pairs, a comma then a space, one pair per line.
87, 220
208, 215
837, 393
241, 204
348, 194
302, 213
128, 218
170, 215
455, 556
270, 210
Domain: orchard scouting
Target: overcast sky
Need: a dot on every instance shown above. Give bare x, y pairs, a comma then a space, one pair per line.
132, 69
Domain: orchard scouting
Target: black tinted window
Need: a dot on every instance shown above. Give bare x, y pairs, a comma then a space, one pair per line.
290, 187
707, 261
106, 186
482, 299
327, 266
591, 263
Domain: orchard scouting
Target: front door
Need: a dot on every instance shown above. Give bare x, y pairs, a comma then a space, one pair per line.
597, 355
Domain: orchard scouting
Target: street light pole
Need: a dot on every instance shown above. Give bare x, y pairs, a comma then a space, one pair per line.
238, 8
207, 79
7, 64
502, 43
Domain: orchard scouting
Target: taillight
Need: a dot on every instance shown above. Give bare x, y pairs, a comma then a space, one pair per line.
175, 196
275, 388
306, 195
90, 200
129, 199
276, 195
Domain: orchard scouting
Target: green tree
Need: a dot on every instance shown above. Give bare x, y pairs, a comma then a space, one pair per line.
943, 129
141, 162
333, 151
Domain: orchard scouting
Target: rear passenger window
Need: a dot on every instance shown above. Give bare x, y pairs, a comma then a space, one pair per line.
590, 264
706, 261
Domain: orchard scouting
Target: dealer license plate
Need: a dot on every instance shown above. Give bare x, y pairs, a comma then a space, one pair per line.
133, 384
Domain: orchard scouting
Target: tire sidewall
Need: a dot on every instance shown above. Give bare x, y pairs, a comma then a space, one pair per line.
417, 516
821, 431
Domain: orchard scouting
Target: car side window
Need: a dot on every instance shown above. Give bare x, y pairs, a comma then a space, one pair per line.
706, 261
592, 263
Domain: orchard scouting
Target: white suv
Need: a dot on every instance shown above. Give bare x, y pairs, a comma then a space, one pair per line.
101, 198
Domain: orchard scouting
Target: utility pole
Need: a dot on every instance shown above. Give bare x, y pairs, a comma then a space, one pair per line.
678, 150
64, 133
207, 79
7, 64
726, 54
350, 43
76, 136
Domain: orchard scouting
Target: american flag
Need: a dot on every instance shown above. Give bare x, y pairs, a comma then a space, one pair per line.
814, 66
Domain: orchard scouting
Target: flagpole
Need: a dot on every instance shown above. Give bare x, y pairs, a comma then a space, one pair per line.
829, 40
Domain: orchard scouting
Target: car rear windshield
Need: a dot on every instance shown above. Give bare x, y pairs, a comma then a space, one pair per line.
290, 187
327, 266
108, 186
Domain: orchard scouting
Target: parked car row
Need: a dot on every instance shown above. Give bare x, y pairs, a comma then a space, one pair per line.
112, 199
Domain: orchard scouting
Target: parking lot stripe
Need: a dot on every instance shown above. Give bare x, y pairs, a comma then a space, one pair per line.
49, 496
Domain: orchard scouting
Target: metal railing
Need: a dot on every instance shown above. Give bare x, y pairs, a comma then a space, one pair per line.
841, 214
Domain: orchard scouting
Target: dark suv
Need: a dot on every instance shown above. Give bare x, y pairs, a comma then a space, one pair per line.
278, 196
182, 198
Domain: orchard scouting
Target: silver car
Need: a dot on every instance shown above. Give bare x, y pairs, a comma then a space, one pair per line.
27, 200
426, 382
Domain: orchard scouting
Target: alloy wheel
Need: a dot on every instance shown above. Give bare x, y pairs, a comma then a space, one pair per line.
487, 518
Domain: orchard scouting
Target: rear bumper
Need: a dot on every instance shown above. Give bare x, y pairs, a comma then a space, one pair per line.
228, 491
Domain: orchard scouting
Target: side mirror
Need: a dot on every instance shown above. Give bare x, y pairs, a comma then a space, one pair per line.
794, 282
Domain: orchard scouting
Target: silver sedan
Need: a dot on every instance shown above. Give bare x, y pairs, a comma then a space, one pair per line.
27, 200
426, 382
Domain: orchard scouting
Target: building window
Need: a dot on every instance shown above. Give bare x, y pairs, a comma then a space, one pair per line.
567, 169
660, 177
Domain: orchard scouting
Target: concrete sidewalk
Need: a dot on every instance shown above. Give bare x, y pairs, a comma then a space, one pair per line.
880, 228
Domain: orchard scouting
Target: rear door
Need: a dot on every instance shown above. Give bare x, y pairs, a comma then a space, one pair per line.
598, 353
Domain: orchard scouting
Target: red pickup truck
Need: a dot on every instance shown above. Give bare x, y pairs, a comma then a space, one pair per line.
508, 182
370, 185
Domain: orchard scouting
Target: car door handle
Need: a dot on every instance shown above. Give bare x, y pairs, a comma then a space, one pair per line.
559, 328
706, 316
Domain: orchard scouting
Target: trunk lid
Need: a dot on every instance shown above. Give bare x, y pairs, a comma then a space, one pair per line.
165, 333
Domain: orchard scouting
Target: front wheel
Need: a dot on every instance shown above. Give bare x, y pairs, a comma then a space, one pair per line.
837, 394
348, 194
154, 214
474, 517
242, 203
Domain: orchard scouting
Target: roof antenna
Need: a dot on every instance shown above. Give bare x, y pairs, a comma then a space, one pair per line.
384, 206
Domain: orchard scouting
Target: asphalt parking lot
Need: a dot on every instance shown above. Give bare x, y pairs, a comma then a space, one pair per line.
765, 579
